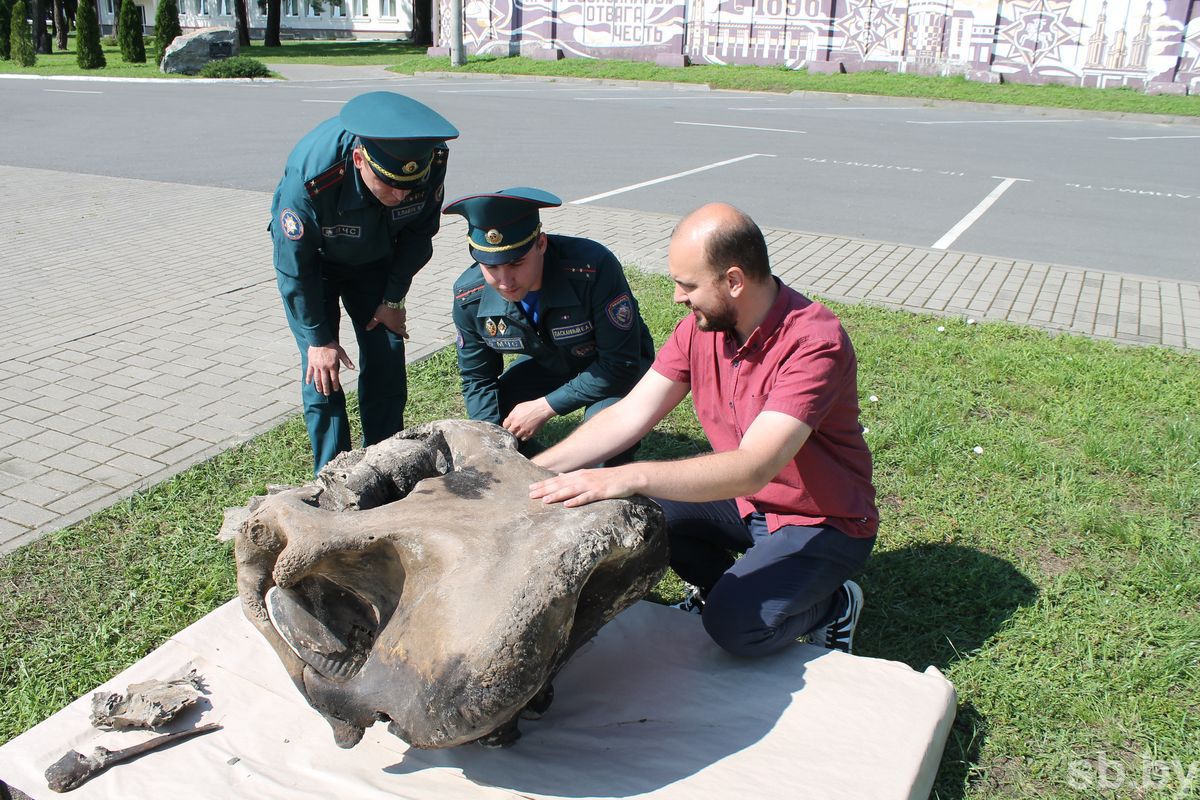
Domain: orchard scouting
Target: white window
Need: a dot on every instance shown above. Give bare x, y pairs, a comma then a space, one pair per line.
360, 7
182, 7
291, 8
387, 8
309, 11
202, 8
225, 9
337, 10
108, 6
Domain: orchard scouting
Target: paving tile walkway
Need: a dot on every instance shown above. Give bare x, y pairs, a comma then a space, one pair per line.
133, 353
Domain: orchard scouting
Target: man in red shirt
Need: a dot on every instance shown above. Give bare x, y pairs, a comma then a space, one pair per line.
773, 377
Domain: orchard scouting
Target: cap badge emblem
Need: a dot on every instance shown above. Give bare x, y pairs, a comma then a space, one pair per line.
410, 168
494, 236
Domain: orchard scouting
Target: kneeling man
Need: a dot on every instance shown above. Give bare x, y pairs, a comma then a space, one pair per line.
773, 377
560, 302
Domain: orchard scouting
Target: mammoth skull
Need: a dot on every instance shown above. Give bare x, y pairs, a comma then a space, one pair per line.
414, 581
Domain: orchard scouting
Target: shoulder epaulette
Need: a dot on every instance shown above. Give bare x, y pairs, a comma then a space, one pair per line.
330, 177
469, 294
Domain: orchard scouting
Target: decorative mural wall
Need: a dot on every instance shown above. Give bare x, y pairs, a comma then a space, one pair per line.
1142, 44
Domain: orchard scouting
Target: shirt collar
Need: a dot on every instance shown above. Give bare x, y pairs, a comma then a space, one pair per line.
355, 193
759, 336
556, 291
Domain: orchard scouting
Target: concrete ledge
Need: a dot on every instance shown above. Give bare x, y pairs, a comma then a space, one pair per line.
544, 54
672, 60
825, 67
437, 52
1163, 87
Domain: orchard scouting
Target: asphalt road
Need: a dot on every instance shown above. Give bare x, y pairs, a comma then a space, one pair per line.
1030, 184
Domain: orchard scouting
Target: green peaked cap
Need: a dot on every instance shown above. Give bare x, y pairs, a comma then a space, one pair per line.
399, 135
503, 225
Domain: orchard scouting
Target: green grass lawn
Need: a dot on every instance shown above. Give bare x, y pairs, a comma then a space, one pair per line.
1053, 577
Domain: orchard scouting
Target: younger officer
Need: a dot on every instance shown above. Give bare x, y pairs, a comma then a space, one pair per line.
561, 302
352, 218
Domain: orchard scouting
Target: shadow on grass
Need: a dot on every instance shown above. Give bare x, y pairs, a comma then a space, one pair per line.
933, 604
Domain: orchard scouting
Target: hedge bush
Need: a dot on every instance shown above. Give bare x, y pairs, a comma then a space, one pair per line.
21, 36
133, 43
88, 53
166, 27
236, 67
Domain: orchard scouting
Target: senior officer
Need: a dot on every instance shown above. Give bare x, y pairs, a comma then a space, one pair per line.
560, 301
352, 218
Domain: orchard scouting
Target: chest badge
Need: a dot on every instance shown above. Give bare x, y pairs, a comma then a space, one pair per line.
489, 325
502, 327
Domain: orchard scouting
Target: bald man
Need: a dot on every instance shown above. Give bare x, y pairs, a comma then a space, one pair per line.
773, 378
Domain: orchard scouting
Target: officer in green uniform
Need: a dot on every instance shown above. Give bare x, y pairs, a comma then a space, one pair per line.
352, 218
561, 302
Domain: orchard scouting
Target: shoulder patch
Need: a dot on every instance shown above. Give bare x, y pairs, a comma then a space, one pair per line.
327, 179
290, 222
620, 312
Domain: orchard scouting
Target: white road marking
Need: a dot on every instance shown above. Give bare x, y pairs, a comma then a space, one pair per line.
666, 178
1141, 138
827, 108
70, 91
983, 121
478, 91
739, 127
975, 213
660, 99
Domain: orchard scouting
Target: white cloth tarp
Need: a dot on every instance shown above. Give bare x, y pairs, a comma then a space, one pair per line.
650, 709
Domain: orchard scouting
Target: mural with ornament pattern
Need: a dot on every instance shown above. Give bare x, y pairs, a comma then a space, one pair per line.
1141, 44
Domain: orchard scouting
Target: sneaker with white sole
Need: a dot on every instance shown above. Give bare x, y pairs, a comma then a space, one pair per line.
839, 634
693, 603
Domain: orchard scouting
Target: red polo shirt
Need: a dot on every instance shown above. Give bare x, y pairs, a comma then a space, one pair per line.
798, 362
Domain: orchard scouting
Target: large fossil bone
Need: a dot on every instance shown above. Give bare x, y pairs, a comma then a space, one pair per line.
416, 582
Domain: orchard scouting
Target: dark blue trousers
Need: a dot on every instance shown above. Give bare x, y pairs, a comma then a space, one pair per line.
780, 589
528, 380
382, 378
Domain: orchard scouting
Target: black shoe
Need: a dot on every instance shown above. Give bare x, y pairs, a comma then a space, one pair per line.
693, 603
839, 634
504, 736
539, 704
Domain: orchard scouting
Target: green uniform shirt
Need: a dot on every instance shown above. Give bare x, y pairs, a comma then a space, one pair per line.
589, 331
323, 217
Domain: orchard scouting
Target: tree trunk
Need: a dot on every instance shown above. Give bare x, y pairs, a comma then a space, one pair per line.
423, 11
60, 24
243, 22
41, 36
116, 20
271, 34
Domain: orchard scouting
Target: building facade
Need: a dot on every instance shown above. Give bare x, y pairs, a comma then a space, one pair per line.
352, 19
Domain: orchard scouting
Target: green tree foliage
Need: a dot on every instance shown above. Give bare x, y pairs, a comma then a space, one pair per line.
166, 27
88, 53
5, 29
133, 44
21, 36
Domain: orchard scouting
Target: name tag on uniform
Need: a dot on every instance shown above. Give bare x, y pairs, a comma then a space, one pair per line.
509, 343
348, 231
571, 331
412, 205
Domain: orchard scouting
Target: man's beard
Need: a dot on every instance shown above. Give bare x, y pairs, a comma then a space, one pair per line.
722, 318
